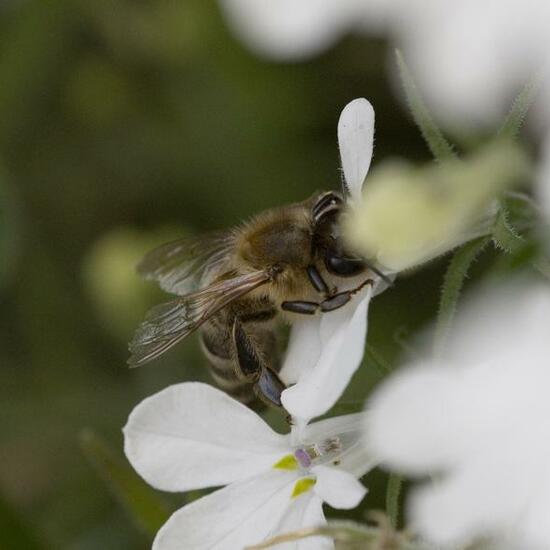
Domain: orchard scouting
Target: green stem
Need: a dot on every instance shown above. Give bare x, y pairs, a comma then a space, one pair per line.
452, 287
514, 121
440, 148
393, 492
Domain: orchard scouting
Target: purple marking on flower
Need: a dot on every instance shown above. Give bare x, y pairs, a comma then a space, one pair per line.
303, 458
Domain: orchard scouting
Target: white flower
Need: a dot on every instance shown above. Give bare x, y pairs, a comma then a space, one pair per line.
411, 215
325, 351
479, 420
471, 56
193, 436
287, 29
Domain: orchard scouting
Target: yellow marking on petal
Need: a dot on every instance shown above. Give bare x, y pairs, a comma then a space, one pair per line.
303, 486
288, 462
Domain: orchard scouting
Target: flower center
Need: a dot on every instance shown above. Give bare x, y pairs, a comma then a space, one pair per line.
318, 453
306, 456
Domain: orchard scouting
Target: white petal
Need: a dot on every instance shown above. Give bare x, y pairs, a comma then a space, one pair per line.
465, 506
477, 420
337, 488
343, 334
241, 514
287, 29
478, 338
414, 418
192, 435
355, 458
305, 511
304, 349
355, 139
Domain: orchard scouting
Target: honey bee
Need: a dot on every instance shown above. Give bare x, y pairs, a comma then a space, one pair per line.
235, 285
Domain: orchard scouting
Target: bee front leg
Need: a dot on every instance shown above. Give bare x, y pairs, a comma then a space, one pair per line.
342, 298
317, 281
297, 306
334, 301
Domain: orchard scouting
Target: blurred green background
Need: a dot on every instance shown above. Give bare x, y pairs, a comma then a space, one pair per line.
123, 124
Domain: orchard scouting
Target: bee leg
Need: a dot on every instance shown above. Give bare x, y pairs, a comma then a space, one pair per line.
248, 364
342, 298
334, 301
317, 280
305, 308
269, 387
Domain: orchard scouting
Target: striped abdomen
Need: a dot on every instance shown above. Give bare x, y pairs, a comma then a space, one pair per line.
217, 338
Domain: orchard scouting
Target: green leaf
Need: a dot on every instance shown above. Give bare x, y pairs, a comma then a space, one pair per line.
145, 508
521, 105
393, 492
452, 286
441, 149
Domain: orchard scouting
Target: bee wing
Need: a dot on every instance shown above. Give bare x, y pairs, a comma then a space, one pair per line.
168, 323
179, 266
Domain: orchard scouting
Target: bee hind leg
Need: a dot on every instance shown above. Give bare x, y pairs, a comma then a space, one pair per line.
248, 363
269, 387
251, 367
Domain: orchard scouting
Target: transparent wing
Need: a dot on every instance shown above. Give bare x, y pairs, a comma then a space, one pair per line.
179, 266
169, 323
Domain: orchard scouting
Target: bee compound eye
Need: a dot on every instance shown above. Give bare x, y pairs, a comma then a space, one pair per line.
343, 266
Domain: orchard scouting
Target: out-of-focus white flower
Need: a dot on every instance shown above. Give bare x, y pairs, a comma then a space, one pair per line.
544, 181
192, 436
478, 420
287, 29
411, 215
471, 56
325, 351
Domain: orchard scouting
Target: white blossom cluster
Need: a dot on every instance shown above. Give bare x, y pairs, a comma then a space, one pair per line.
476, 421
